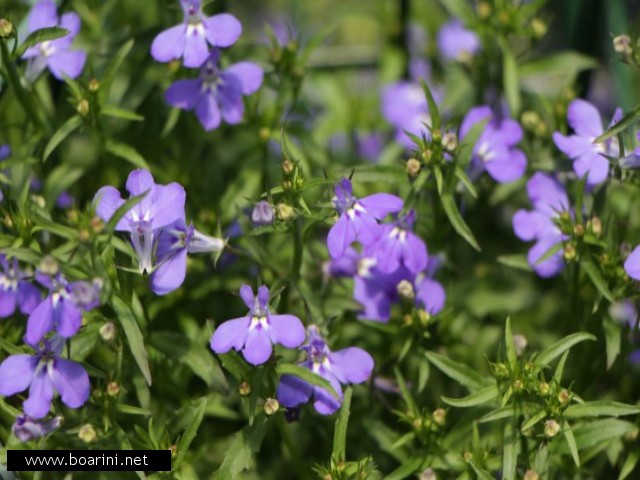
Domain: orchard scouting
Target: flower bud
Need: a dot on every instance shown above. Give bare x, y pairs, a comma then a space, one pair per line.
530, 475
518, 386
83, 235
578, 230
483, 9
287, 167
622, 45
439, 416
519, 343
596, 226
262, 214
424, 317
264, 134
405, 290
94, 85
427, 153
113, 389
97, 225
287, 185
271, 406
564, 396
49, 266
450, 141
467, 456
174, 450
631, 436
83, 107
428, 474
407, 320
539, 28
87, 433
284, 212
530, 120
551, 428
244, 389
6, 28
108, 332
544, 389
569, 251
413, 167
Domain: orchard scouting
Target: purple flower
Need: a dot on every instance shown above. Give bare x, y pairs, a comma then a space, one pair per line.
43, 374
399, 246
161, 206
62, 309
57, 54
624, 312
358, 217
588, 157
174, 242
549, 200
190, 38
262, 214
64, 200
15, 290
494, 151
456, 42
27, 428
369, 145
5, 151
349, 365
632, 264
254, 333
216, 94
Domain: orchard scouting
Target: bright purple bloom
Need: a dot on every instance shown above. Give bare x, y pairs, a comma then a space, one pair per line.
349, 365
588, 157
44, 373
549, 200
161, 206
494, 151
5, 151
216, 94
57, 54
190, 38
27, 428
62, 309
455, 42
358, 217
632, 264
254, 333
64, 200
262, 214
15, 291
397, 246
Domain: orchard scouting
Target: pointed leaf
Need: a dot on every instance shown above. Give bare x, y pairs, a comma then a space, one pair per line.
558, 348
59, 136
480, 397
600, 408
451, 209
340, 432
459, 372
134, 336
42, 35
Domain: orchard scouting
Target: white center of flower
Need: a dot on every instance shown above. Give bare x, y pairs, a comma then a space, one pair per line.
484, 152
46, 48
351, 213
195, 28
398, 233
255, 321
365, 265
8, 283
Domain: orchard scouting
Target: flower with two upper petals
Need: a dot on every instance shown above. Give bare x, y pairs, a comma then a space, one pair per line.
15, 291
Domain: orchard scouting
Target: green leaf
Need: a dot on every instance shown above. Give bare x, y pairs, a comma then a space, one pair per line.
508, 341
510, 451
340, 432
481, 472
126, 152
595, 432
112, 69
405, 470
517, 261
480, 397
500, 413
134, 336
537, 417
510, 80
197, 411
306, 375
600, 408
558, 348
629, 119
541, 461
558, 63
63, 132
613, 338
462, 176
117, 112
557, 375
571, 442
458, 372
433, 107
41, 35
450, 208
404, 392
465, 153
594, 274
629, 464
245, 444
460, 9
131, 410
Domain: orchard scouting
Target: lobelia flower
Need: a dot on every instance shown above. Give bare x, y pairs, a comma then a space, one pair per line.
587, 156
549, 200
397, 245
456, 42
358, 217
494, 151
26, 428
216, 94
632, 264
161, 206
255, 333
62, 309
262, 214
174, 242
189, 39
349, 365
15, 291
56, 55
43, 374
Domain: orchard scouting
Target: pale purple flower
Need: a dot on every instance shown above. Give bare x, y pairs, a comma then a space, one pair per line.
15, 290
262, 214
216, 94
358, 217
455, 42
397, 246
549, 200
369, 145
624, 312
255, 333
27, 428
191, 39
44, 374
56, 55
495, 149
632, 264
5, 151
161, 206
588, 157
346, 366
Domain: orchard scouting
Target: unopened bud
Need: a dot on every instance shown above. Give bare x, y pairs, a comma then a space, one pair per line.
596, 225
467, 456
405, 290
284, 212
578, 230
622, 45
287, 185
551, 428
424, 317
544, 389
564, 396
93, 85
483, 9
264, 134
530, 475
530, 119
501, 370
427, 153
84, 235
6, 28
450, 141
173, 449
569, 251
244, 389
83, 107
519, 343
631, 436
87, 433
271, 406
428, 474
49, 266
287, 167
407, 320
97, 225
539, 28
108, 332
518, 386
417, 423
113, 389
439, 416
413, 167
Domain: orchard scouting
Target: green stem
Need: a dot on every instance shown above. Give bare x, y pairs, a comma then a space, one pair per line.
297, 249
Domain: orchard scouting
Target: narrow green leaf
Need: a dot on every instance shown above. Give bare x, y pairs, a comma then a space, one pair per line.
59, 136
460, 9
510, 80
629, 464
450, 208
557, 375
126, 152
41, 35
434, 113
245, 444
629, 119
549, 253
480, 397
508, 341
340, 432
189, 434
537, 417
558, 348
134, 336
571, 442
459, 372
598, 431
613, 339
306, 375
481, 472
466, 181
510, 451
600, 408
405, 470
131, 410
557, 64
112, 69
515, 261
541, 461
500, 413
117, 112
465, 153
596, 277
404, 392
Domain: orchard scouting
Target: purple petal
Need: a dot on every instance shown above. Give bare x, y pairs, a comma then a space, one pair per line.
509, 132
257, 348
40, 322
249, 74
196, 50
594, 165
473, 116
70, 319
169, 45
71, 381
431, 295
292, 391
170, 275
414, 253
368, 231
551, 266
379, 205
16, 373
572, 146
40, 395
140, 181
531, 225
107, 201
351, 365
507, 165
28, 297
263, 297
341, 235
402, 100
222, 30
230, 334
70, 21
632, 264
7, 303
455, 41
168, 205
246, 293
584, 118
43, 14
325, 403
374, 299
547, 194
231, 102
286, 330
183, 94
67, 64
208, 111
